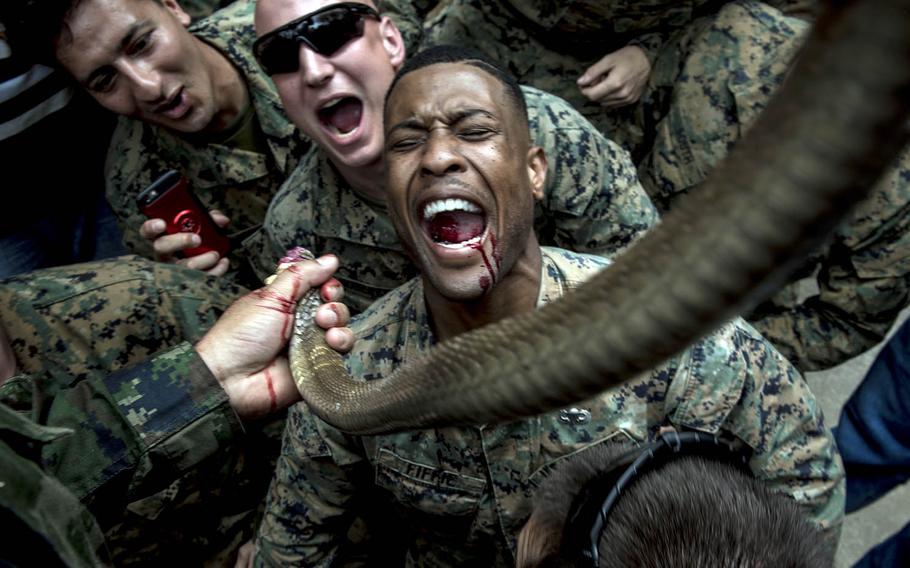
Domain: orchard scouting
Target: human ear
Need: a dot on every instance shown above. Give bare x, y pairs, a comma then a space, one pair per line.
537, 170
392, 42
177, 11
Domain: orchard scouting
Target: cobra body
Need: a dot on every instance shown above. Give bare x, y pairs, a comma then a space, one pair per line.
822, 141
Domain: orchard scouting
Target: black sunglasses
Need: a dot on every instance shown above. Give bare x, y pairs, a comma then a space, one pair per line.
325, 31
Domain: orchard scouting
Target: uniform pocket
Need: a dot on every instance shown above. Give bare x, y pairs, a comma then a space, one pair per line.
552, 456
427, 488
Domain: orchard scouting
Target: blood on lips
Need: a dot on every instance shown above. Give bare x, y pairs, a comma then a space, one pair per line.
455, 226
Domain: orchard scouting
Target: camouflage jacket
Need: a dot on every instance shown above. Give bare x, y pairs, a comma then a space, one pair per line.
238, 182
150, 447
592, 203
102, 442
549, 44
863, 282
463, 494
198, 9
863, 275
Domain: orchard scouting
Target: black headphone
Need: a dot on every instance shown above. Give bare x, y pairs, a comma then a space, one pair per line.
591, 507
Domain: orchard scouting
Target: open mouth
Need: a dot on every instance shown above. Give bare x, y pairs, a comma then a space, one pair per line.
174, 108
453, 223
341, 116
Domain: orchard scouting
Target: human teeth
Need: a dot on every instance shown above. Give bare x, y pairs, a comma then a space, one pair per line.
466, 243
433, 208
330, 104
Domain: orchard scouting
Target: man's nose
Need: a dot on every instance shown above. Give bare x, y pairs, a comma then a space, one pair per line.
317, 69
145, 83
441, 156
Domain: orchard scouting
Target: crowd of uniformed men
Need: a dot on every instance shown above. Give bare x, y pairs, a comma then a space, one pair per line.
148, 412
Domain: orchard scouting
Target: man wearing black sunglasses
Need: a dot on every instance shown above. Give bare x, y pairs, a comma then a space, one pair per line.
332, 63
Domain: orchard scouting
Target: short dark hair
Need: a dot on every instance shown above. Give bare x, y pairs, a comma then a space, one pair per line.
33, 26
468, 56
691, 511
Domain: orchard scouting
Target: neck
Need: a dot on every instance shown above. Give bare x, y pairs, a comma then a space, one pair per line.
367, 180
228, 88
515, 294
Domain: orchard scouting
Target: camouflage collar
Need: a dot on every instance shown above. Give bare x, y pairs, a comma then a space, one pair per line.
342, 212
231, 32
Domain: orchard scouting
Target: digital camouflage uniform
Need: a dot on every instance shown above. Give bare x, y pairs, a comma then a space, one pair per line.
709, 84
198, 9
710, 80
238, 182
460, 496
592, 203
100, 446
863, 276
863, 282
549, 44
151, 448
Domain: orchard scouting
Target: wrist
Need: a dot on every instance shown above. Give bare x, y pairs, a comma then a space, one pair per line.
207, 354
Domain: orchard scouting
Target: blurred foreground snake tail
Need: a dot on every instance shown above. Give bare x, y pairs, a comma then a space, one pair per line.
835, 125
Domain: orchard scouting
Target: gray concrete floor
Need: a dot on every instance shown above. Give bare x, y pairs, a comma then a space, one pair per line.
867, 527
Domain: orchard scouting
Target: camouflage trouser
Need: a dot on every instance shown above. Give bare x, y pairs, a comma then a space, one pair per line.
70, 323
708, 85
709, 79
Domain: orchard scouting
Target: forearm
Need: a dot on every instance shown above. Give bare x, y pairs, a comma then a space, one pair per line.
621, 202
816, 337
135, 431
849, 316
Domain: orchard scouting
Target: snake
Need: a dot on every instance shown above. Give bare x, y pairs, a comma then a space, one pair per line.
834, 126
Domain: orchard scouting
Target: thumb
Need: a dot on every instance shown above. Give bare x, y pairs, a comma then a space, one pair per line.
302, 276
596, 71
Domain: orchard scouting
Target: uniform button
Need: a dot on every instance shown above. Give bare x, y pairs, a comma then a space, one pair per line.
574, 416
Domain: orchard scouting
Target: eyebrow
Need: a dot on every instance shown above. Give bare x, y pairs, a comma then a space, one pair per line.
454, 118
124, 43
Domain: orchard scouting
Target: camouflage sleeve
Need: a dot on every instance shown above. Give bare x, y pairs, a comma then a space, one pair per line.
593, 202
864, 283
309, 507
131, 166
198, 9
850, 315
778, 417
43, 523
134, 431
650, 43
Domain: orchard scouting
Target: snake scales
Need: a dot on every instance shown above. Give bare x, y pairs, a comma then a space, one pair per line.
819, 145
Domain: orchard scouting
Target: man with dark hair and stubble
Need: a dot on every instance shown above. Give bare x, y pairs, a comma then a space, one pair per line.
191, 98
